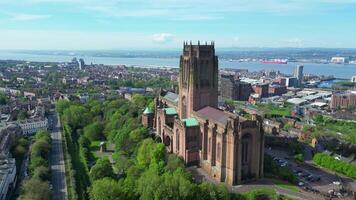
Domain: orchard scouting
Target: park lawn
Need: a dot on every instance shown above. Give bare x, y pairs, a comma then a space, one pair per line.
346, 128
285, 185
275, 110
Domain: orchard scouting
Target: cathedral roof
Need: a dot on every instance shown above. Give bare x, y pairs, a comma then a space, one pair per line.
214, 114
170, 111
173, 97
190, 122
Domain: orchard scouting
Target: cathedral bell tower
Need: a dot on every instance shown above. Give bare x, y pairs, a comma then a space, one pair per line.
198, 78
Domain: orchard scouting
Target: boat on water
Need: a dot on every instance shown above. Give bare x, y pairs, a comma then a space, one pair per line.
275, 61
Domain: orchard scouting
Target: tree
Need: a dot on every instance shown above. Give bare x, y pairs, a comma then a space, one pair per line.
175, 185
22, 115
62, 105
40, 148
148, 184
144, 153
42, 173
174, 162
94, 131
19, 151
77, 116
299, 157
43, 135
139, 100
35, 189
3, 99
101, 169
106, 189
37, 162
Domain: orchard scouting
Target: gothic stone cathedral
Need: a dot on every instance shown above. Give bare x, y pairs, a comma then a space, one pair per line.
228, 147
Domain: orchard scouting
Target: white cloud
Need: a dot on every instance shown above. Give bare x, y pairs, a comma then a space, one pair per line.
27, 17
236, 39
296, 42
162, 37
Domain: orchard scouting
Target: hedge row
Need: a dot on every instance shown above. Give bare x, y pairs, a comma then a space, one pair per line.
70, 172
339, 166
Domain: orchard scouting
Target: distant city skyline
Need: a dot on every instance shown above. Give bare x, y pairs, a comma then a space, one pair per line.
164, 24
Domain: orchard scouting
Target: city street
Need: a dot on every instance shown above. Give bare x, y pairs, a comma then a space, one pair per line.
57, 160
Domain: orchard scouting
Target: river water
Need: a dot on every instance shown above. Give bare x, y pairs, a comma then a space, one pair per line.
339, 71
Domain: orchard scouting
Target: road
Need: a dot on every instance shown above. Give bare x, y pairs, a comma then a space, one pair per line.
57, 161
200, 175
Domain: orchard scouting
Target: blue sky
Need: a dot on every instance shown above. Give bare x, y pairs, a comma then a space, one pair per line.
163, 24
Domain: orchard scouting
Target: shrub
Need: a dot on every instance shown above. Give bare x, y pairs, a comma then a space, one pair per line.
339, 166
299, 157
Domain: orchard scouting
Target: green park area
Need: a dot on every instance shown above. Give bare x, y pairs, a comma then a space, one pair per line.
335, 165
285, 185
274, 110
344, 130
136, 166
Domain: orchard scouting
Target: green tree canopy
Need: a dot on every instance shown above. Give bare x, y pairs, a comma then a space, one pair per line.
42, 173
101, 169
107, 189
35, 189
94, 131
77, 116
62, 105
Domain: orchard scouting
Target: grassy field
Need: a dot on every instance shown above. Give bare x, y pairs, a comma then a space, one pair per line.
285, 185
345, 130
270, 109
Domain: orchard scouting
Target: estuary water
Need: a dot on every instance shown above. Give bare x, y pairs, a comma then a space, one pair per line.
338, 71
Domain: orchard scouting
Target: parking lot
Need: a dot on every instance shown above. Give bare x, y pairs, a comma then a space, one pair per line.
310, 178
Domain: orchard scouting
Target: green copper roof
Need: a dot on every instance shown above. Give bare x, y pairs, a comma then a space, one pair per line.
190, 122
147, 111
170, 111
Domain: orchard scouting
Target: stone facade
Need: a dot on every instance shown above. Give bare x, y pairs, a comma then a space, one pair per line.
228, 147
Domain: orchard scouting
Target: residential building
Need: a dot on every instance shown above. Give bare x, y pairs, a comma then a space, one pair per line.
31, 126
298, 73
261, 90
291, 82
7, 176
343, 100
277, 90
234, 89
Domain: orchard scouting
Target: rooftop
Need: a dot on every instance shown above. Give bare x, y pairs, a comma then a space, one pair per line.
147, 111
170, 96
190, 122
296, 101
214, 114
170, 111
